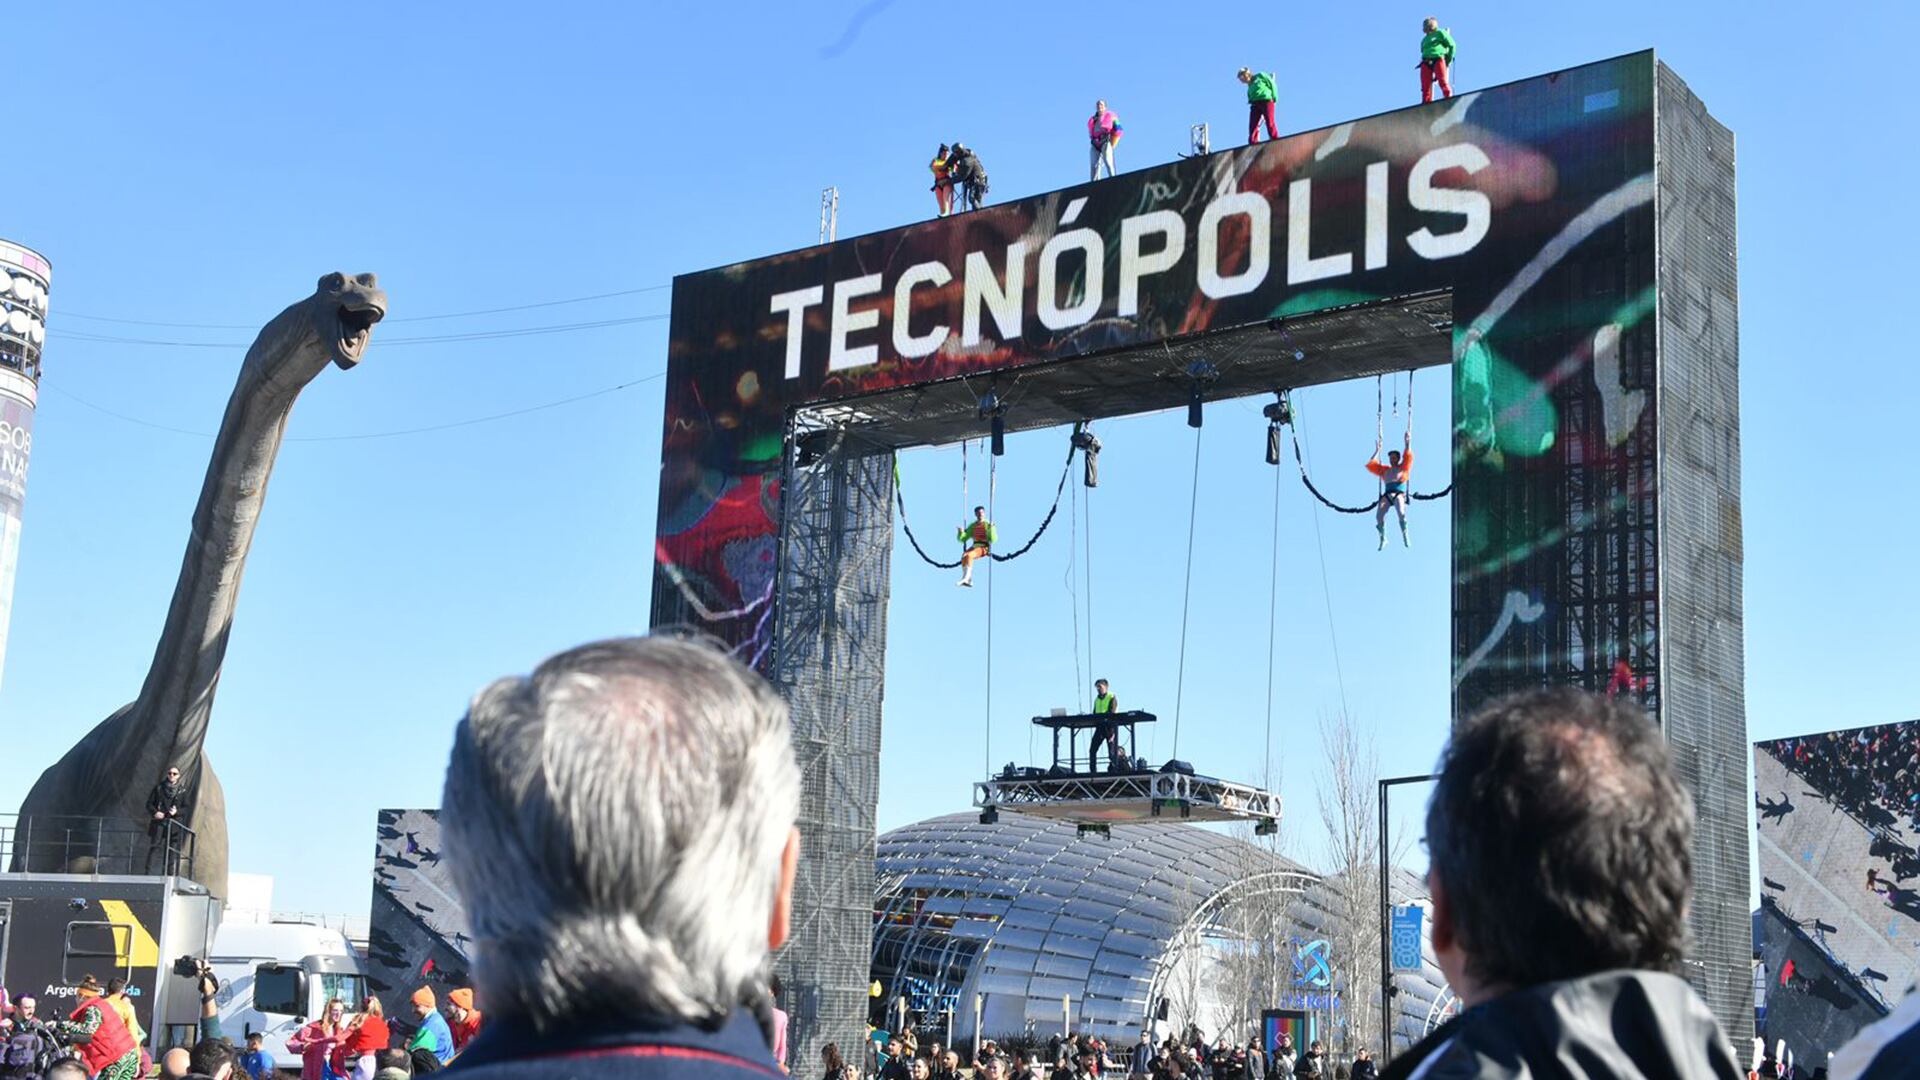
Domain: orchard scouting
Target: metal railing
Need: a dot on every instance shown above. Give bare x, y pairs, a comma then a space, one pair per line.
81, 844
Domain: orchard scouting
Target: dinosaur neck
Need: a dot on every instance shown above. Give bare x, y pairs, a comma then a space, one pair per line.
177, 697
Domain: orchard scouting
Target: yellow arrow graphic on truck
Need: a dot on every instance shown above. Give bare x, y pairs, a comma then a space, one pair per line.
139, 949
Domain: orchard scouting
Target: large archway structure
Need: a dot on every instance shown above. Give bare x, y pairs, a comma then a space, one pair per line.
1566, 242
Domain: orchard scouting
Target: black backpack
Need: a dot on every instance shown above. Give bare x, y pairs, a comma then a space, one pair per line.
21, 1055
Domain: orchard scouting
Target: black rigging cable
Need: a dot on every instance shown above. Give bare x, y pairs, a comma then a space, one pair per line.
1186, 600
1273, 623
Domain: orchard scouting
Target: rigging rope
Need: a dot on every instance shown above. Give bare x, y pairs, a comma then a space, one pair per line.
1186, 600
1326, 593
1273, 623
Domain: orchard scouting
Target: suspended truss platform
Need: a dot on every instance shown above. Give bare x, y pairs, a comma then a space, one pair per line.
1107, 798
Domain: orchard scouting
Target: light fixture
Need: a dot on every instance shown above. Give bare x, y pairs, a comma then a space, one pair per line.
1201, 374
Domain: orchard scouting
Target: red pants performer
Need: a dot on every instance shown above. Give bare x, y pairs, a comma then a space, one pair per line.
1434, 71
1257, 111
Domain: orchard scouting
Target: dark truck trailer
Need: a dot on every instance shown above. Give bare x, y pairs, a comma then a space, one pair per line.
56, 929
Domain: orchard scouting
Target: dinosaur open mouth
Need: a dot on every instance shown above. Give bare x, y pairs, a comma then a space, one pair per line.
356, 325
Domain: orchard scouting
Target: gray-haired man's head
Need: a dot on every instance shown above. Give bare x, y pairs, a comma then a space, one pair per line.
620, 826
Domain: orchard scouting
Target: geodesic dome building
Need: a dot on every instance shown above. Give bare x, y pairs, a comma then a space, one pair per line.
1045, 928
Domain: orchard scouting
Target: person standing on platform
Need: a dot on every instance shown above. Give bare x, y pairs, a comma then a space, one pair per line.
1260, 95
978, 536
968, 176
942, 187
1436, 60
1103, 131
163, 807
1107, 731
1394, 475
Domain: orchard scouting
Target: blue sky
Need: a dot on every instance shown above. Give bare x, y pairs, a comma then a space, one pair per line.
205, 165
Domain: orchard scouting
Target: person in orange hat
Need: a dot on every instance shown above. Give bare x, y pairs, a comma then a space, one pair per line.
466, 1018
433, 1036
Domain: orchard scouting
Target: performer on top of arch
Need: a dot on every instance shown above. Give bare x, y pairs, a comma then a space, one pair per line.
1394, 475
1436, 59
942, 187
979, 536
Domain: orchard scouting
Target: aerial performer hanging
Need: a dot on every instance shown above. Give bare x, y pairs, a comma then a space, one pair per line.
1393, 492
977, 538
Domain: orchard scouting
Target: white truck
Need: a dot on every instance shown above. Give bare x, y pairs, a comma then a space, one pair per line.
276, 976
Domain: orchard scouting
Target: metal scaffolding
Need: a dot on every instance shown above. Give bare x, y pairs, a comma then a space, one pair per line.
829, 660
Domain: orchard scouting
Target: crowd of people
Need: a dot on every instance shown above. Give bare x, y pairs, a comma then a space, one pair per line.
958, 176
102, 1039
1183, 1056
1872, 773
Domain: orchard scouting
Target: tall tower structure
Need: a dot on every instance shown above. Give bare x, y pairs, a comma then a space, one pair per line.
24, 277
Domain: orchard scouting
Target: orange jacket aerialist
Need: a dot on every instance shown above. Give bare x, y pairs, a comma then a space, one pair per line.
1393, 475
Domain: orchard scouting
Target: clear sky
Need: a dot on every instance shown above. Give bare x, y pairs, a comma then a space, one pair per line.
206, 164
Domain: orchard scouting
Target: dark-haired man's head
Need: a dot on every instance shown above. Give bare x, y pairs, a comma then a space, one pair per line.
116, 985
1561, 845
212, 1058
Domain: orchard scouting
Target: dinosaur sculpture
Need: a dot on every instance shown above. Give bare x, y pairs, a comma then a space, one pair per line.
110, 771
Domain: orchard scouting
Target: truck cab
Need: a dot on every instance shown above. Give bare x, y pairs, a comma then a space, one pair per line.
277, 976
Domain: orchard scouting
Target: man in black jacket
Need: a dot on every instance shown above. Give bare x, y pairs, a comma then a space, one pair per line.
1561, 865
163, 810
969, 177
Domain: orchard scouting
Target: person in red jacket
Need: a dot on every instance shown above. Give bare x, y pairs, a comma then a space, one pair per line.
366, 1034
1394, 494
106, 1046
466, 1018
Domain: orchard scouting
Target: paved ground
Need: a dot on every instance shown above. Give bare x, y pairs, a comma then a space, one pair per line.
1814, 859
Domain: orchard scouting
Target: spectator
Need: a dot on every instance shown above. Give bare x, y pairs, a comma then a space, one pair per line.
1140, 1062
316, 1041
176, 1063
163, 811
433, 1034
66, 1069
422, 1061
28, 1042
779, 1024
992, 1069
117, 997
210, 1059
366, 1034
1256, 1059
255, 1063
920, 1069
660, 820
1363, 1066
393, 1065
466, 1018
1281, 1067
1561, 865
834, 1067
106, 1046
896, 1066
947, 1067
1312, 1064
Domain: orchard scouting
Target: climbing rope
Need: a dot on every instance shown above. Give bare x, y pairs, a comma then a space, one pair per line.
1186, 600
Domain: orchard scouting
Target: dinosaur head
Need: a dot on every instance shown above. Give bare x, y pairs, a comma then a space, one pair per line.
344, 311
